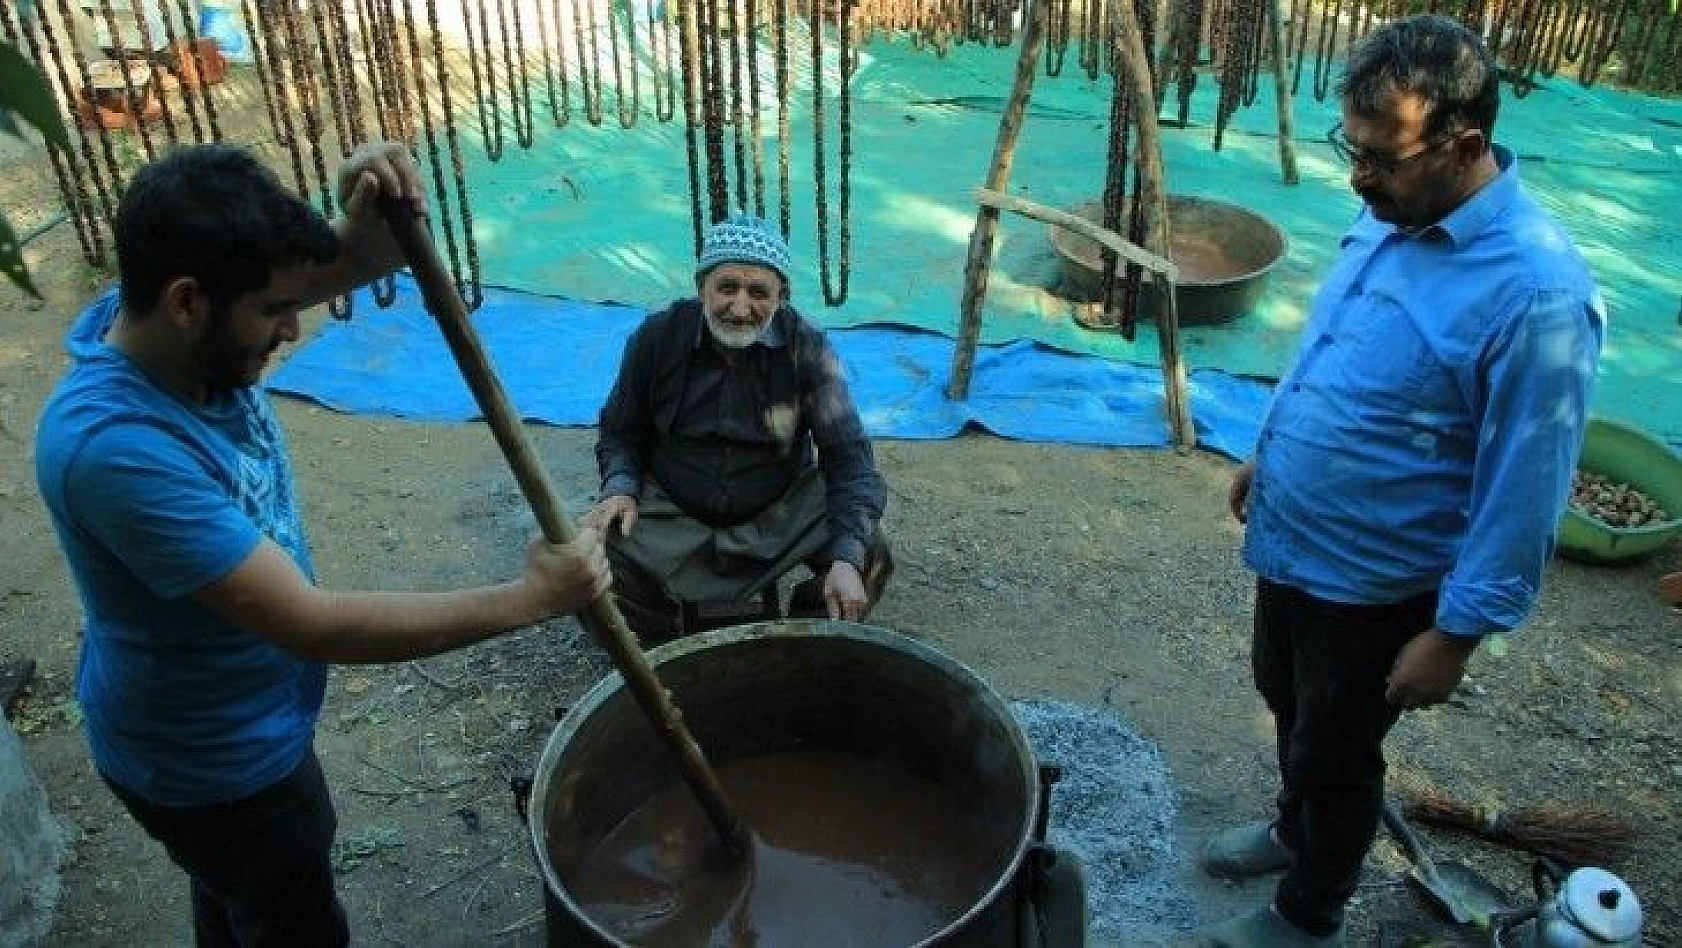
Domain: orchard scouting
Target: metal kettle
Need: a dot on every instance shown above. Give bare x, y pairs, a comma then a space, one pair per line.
1589, 908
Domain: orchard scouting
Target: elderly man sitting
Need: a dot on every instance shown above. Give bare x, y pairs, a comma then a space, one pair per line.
731, 452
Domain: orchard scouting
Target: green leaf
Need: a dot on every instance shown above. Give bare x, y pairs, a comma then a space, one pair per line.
11, 259
23, 91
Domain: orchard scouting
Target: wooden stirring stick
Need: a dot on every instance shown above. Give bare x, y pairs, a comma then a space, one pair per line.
603, 619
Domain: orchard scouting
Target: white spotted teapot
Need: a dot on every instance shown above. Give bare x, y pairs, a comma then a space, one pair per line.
1590, 908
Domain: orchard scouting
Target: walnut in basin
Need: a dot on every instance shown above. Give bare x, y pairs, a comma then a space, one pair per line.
1624, 467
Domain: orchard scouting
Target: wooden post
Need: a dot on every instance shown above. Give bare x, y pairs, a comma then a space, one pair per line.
1282, 91
980, 257
1153, 197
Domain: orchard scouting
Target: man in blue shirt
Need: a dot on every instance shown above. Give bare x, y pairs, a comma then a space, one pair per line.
206, 639
1403, 497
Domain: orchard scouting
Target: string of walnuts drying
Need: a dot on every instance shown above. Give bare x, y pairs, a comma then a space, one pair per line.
1614, 502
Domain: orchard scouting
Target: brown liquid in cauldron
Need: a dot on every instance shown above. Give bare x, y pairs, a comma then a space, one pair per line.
1202, 260
847, 851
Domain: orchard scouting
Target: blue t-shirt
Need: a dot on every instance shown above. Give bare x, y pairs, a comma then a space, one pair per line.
154, 498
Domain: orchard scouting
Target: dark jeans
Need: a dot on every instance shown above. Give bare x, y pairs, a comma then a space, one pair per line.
1321, 667
261, 867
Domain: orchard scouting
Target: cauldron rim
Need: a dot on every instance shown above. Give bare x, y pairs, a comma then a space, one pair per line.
613, 683
1063, 240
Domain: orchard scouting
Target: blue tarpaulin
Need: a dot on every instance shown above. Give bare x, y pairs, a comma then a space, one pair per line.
557, 357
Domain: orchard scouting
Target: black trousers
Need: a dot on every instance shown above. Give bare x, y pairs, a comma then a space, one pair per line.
1322, 667
260, 867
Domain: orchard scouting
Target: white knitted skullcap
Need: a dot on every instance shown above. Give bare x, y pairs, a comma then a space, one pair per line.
743, 238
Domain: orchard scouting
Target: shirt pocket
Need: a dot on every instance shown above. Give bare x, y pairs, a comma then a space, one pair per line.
1386, 358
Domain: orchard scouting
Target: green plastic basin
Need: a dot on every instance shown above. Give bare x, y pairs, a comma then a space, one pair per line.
1628, 454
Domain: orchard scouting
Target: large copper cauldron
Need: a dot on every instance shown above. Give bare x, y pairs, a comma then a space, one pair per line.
768, 688
1224, 252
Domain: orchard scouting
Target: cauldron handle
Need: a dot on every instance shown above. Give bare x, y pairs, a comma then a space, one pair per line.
521, 788
602, 618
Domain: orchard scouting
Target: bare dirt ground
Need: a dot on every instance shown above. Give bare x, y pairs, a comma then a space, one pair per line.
1104, 577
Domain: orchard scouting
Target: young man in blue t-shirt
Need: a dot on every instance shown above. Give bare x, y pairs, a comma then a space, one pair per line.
206, 640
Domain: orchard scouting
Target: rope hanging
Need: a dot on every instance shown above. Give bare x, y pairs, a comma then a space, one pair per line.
624, 75
554, 63
189, 95
485, 95
834, 293
519, 77
67, 170
662, 72
326, 74
589, 67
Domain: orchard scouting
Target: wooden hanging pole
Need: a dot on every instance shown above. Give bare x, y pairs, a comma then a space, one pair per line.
980, 257
1153, 198
1282, 91
1152, 194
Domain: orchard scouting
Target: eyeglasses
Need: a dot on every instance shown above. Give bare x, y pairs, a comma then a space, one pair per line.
1383, 164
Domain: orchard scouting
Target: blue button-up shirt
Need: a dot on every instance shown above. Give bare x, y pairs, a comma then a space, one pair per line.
1426, 436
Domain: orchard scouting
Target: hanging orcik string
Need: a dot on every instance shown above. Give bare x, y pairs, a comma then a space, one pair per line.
486, 98
737, 119
624, 63
334, 30
589, 66
307, 97
153, 88
1091, 38
302, 82
834, 293
370, 34
712, 110
554, 62
260, 59
690, 79
67, 172
472, 287
1058, 13
189, 91
1188, 31
396, 71
1239, 59
1302, 14
134, 97
209, 101
519, 77
1121, 294
755, 130
780, 54
339, 110
661, 58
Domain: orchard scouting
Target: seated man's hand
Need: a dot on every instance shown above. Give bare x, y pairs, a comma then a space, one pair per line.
568, 577
843, 591
617, 508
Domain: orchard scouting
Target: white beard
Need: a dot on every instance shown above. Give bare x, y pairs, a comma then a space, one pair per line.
733, 337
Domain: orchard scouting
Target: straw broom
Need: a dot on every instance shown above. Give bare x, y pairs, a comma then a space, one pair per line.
1572, 835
